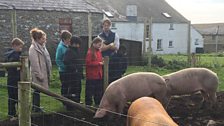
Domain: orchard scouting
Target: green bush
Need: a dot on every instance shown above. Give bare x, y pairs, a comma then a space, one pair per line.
158, 61
220, 55
174, 64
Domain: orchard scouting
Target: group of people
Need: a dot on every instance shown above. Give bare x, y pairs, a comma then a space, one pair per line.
40, 68
70, 66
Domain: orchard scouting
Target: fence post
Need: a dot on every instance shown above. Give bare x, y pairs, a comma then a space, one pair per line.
24, 91
149, 35
193, 60
90, 29
189, 43
105, 72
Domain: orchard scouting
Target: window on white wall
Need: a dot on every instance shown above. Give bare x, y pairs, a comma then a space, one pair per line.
171, 27
170, 44
113, 26
196, 42
159, 45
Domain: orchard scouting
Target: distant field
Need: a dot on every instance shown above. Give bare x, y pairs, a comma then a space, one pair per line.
208, 60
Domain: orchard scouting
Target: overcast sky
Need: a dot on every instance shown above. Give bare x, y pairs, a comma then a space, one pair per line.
200, 11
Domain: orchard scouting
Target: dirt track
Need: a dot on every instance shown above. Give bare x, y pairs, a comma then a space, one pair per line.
186, 111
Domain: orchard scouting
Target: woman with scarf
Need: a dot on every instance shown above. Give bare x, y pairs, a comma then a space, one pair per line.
40, 64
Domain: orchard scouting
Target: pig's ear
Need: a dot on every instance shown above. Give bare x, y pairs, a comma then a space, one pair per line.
100, 113
167, 80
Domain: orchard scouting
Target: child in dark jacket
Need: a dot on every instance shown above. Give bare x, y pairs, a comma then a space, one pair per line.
118, 64
74, 66
13, 55
94, 73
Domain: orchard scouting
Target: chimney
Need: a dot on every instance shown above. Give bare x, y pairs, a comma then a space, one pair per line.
131, 13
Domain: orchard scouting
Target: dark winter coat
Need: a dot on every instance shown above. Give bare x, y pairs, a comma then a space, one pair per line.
73, 62
107, 40
118, 65
13, 72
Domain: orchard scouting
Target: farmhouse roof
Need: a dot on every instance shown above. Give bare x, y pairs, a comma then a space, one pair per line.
145, 8
50, 5
210, 29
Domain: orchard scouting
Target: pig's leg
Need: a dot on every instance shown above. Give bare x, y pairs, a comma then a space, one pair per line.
161, 96
212, 99
205, 100
120, 107
166, 101
210, 103
113, 117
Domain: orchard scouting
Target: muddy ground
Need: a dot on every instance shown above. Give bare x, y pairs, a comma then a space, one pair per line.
185, 110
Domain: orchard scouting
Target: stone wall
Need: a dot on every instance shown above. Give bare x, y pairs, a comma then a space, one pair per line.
48, 21
5, 30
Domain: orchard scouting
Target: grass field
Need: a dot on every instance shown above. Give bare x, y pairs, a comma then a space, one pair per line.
215, 63
206, 60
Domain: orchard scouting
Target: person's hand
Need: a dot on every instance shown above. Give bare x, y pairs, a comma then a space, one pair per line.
104, 47
112, 44
101, 63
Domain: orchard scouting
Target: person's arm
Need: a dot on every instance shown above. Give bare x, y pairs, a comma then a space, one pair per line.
112, 46
105, 47
116, 42
15, 57
90, 62
59, 57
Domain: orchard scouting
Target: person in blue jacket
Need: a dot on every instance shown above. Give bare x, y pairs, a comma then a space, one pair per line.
60, 52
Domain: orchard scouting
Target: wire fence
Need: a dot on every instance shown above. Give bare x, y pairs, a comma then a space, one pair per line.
54, 112
55, 109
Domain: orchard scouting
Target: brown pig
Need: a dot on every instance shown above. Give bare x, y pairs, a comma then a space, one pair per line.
147, 111
130, 88
191, 80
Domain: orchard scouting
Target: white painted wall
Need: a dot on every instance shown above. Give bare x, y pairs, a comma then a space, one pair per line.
130, 31
135, 31
178, 35
196, 36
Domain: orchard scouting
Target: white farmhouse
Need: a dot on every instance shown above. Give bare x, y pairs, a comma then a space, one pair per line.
168, 29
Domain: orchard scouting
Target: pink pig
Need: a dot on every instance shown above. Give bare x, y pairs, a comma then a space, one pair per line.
191, 80
130, 88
